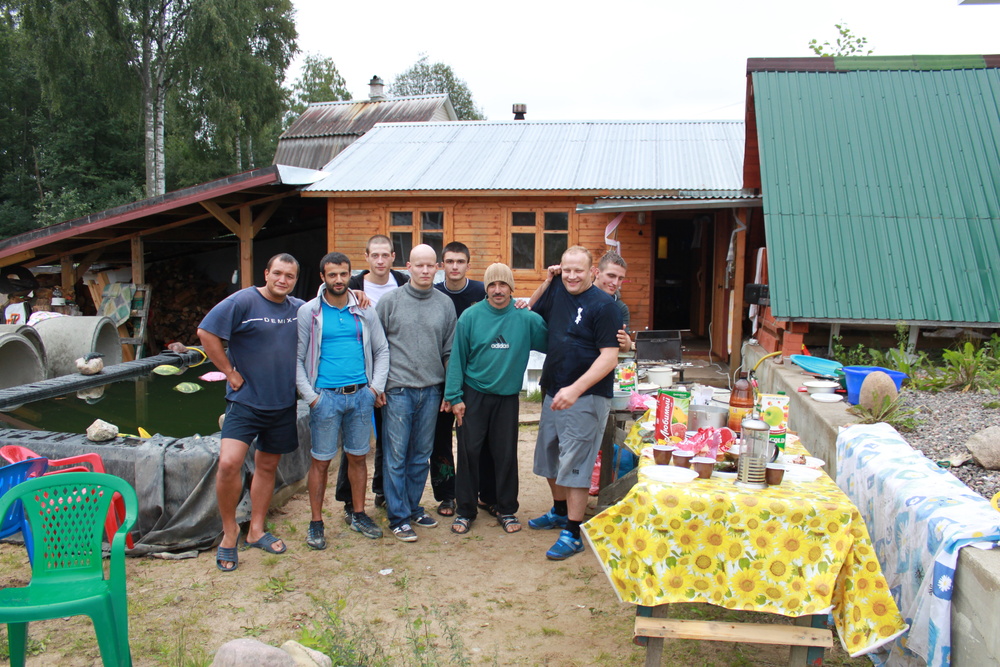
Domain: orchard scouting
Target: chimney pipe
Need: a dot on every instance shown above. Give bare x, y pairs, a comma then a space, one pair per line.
519, 111
376, 87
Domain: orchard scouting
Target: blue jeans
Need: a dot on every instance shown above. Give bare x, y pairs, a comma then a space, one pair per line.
410, 415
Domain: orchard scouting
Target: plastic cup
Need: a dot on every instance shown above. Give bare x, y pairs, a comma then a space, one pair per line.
703, 465
774, 473
682, 459
662, 453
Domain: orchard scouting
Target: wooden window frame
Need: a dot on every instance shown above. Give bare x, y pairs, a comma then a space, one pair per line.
509, 229
446, 231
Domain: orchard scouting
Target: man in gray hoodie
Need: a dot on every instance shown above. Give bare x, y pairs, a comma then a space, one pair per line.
419, 323
341, 370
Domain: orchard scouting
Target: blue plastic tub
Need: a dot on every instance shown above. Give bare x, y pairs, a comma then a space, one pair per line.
856, 376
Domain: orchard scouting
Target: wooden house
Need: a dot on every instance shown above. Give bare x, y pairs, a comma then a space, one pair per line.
667, 193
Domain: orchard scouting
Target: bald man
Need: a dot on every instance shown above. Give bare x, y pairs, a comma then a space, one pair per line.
419, 323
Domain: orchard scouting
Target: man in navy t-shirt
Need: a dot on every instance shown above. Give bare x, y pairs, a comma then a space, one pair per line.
578, 380
260, 325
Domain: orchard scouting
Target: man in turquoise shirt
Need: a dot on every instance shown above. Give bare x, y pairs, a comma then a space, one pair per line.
342, 365
489, 354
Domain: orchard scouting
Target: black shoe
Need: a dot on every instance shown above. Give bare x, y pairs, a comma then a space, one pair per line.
379, 500
314, 537
348, 513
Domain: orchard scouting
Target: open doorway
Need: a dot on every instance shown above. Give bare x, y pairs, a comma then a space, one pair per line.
682, 262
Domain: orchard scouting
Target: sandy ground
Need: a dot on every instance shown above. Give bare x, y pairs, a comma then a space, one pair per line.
483, 598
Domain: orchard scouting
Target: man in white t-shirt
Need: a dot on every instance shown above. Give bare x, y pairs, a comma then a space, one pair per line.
376, 281
380, 278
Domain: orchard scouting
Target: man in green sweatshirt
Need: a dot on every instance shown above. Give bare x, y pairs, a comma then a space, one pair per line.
489, 354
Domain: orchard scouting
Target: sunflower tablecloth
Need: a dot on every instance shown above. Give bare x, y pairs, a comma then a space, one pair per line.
795, 549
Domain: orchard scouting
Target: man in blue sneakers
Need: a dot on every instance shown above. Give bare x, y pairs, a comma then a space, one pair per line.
577, 380
341, 370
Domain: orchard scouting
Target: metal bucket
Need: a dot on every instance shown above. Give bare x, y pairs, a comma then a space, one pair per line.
704, 416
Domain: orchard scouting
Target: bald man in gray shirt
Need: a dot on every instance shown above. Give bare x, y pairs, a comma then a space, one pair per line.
419, 323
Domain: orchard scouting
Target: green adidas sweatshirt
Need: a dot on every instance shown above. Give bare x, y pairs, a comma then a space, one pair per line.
490, 349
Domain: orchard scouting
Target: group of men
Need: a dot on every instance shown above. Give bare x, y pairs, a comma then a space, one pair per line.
411, 360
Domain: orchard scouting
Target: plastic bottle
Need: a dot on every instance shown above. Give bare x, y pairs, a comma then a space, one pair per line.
740, 402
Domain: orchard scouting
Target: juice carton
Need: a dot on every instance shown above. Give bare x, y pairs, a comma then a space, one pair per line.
773, 409
664, 412
682, 403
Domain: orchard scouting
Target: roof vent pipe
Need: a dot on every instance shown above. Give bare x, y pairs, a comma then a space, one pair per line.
519, 111
376, 86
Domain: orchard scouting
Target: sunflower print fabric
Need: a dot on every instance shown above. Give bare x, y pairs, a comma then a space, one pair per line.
795, 549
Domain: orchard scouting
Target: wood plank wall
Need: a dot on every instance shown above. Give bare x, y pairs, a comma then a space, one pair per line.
482, 223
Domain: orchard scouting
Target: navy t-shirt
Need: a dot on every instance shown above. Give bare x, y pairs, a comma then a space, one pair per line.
579, 327
473, 293
262, 339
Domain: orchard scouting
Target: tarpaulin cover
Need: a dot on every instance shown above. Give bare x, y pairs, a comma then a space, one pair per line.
173, 477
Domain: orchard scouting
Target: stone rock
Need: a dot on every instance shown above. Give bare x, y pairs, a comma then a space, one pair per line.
875, 388
305, 656
985, 447
101, 431
247, 652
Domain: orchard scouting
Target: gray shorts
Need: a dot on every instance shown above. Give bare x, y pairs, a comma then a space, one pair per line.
568, 440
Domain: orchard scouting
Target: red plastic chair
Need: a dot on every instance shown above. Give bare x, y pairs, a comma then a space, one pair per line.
17, 453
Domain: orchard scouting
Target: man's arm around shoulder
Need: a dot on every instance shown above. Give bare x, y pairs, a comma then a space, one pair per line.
302, 383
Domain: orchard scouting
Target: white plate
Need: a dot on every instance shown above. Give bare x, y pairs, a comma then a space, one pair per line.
811, 461
794, 473
827, 398
668, 474
718, 474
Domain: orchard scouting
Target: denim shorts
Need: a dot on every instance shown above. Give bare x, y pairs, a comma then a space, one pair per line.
337, 415
276, 430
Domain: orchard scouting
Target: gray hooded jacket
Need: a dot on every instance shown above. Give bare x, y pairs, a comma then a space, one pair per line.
311, 339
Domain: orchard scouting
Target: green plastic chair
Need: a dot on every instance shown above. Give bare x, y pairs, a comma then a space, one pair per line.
67, 513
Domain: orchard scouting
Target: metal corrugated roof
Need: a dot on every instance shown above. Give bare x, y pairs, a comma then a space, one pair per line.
880, 192
324, 119
326, 128
626, 156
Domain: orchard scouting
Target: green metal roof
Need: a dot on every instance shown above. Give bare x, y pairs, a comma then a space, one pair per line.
880, 184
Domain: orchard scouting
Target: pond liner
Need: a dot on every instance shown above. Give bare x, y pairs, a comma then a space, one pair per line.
174, 479
37, 391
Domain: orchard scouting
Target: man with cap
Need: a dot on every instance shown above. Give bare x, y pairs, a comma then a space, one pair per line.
490, 351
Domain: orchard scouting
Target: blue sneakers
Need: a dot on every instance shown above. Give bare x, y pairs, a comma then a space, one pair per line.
548, 521
565, 546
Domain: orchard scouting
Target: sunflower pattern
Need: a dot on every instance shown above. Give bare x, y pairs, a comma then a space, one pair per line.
795, 549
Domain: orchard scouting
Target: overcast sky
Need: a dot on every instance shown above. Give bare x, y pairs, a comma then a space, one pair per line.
620, 59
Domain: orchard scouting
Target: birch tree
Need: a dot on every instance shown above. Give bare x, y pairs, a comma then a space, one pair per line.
424, 78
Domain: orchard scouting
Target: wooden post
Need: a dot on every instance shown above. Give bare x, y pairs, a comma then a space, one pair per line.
736, 318
834, 333
138, 263
246, 247
67, 281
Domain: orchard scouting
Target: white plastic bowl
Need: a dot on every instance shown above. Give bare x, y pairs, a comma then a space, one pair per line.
821, 386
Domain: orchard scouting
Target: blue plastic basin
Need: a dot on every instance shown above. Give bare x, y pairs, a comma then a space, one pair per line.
856, 376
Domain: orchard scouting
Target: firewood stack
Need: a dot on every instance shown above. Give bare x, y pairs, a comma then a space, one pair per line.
181, 294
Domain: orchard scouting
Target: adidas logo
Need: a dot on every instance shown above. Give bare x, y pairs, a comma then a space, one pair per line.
500, 344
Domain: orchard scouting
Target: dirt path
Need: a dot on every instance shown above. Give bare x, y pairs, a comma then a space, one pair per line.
485, 598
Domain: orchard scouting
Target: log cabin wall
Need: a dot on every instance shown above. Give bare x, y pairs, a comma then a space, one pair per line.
484, 224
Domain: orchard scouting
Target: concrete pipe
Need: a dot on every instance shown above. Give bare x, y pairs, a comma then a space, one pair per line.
19, 360
66, 339
31, 334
